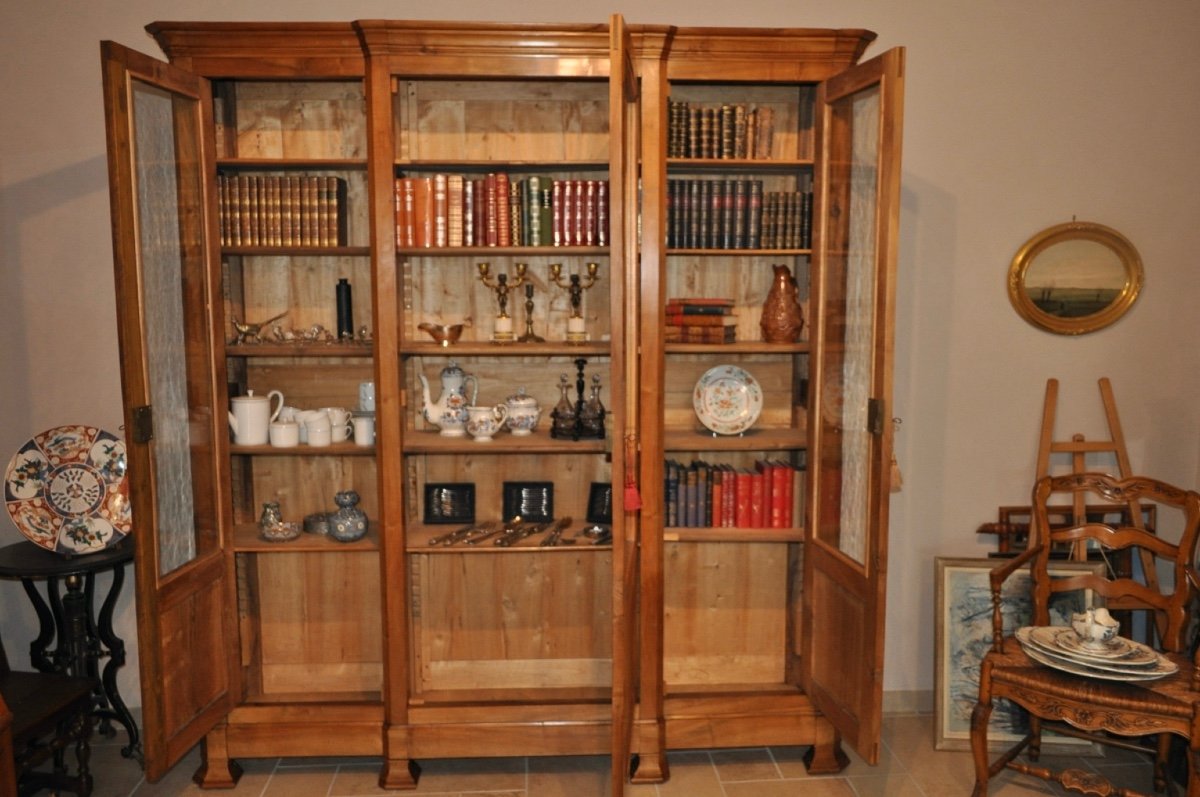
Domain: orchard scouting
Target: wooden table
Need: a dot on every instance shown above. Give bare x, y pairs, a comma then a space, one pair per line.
84, 637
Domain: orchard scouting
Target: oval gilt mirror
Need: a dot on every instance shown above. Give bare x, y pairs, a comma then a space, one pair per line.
1075, 278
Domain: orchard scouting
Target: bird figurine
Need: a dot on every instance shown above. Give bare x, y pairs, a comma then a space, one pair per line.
252, 333
442, 333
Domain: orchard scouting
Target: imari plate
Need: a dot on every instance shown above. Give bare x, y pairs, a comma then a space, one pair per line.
727, 399
66, 490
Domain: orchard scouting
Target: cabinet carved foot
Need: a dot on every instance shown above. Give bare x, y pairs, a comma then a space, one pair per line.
826, 756
217, 770
402, 773
649, 768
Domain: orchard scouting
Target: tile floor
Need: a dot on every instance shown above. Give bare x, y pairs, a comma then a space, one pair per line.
909, 767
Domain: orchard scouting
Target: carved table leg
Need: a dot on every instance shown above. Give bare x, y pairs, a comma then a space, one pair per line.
46, 625
116, 659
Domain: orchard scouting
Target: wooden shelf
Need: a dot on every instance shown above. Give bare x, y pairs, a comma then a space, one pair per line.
271, 349
291, 164
753, 440
739, 165
741, 252
297, 251
500, 251
246, 540
694, 534
348, 449
488, 349
501, 166
539, 442
739, 347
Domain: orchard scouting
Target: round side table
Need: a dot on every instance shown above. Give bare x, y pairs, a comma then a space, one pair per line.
83, 636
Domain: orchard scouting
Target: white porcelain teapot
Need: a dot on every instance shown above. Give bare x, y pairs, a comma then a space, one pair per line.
251, 416
449, 412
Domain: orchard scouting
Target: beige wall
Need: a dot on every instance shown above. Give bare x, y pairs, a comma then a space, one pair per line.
1020, 114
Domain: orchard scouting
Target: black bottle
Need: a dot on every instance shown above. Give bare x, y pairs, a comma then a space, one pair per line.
345, 311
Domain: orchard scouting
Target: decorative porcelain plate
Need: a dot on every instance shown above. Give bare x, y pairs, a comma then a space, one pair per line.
1108, 669
727, 399
66, 490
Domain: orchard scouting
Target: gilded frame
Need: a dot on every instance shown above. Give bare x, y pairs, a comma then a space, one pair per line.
1068, 323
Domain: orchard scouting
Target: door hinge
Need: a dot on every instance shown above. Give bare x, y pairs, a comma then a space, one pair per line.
143, 424
875, 416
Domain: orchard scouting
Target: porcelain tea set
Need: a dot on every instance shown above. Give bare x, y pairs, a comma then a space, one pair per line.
456, 414
262, 420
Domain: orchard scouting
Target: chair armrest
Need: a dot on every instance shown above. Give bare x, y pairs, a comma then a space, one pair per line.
996, 578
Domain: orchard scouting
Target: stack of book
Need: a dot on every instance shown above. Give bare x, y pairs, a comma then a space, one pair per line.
714, 214
712, 495
729, 130
281, 210
450, 210
701, 320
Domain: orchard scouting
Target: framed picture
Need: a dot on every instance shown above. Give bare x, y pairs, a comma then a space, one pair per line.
963, 635
1012, 526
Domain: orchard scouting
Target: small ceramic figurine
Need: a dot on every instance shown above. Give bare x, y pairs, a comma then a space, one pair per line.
252, 333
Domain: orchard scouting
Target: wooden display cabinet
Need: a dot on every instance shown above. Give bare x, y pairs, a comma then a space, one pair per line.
765, 632
666, 636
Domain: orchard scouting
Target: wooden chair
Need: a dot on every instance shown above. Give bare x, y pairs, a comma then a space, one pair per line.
49, 713
1105, 711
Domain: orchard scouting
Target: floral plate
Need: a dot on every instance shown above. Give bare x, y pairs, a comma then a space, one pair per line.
66, 490
727, 399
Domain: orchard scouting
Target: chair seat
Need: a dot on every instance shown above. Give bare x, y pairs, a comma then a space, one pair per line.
38, 700
1125, 708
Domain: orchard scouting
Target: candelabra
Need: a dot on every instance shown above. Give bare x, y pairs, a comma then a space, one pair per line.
503, 332
575, 286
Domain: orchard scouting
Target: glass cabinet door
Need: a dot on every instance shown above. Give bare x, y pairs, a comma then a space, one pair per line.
160, 244
857, 213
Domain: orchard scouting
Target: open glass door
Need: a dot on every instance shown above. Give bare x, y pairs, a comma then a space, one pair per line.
161, 240
622, 175
858, 207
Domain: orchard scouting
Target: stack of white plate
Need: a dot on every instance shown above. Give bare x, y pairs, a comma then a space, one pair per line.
1119, 659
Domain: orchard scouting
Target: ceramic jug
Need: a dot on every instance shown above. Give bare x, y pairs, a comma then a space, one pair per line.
782, 317
251, 417
449, 412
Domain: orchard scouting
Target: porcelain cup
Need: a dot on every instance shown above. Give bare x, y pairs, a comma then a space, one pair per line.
302, 417
339, 420
364, 430
483, 422
319, 430
285, 434
1096, 628
251, 417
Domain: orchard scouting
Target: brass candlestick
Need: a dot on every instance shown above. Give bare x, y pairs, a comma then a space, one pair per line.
504, 325
575, 286
529, 337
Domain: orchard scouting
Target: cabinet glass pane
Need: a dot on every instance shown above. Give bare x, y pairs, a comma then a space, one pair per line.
167, 175
850, 320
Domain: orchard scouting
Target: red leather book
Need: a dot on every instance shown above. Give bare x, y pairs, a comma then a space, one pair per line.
741, 512
781, 495
503, 211
766, 469
491, 216
602, 213
588, 225
454, 210
557, 190
758, 496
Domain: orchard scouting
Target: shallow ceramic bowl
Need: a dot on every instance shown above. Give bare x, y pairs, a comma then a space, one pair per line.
281, 532
441, 333
317, 523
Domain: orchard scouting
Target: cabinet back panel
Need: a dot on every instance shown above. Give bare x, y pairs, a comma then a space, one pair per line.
572, 477
310, 385
512, 620
725, 613
319, 626
776, 375
444, 291
502, 121
300, 119
303, 484
303, 286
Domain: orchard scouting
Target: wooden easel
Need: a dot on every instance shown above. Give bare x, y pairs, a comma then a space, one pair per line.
1079, 447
